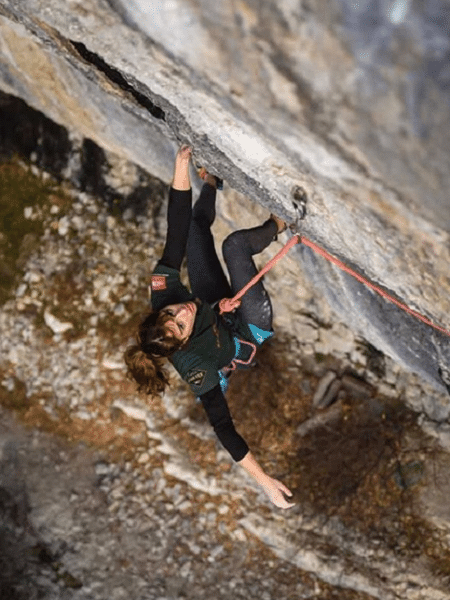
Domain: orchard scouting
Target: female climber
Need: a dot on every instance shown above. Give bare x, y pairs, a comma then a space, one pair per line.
187, 329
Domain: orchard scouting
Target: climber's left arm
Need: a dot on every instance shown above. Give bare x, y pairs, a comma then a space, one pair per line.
219, 416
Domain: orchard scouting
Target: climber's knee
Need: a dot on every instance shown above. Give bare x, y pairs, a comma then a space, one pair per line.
235, 242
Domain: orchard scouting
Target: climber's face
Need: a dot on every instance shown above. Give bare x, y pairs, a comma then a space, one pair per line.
181, 321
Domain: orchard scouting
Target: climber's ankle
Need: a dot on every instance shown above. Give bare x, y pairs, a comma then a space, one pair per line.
211, 180
281, 225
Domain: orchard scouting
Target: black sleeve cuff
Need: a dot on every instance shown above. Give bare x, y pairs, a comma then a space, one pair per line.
216, 408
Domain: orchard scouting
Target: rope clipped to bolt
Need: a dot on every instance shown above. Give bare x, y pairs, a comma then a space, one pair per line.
230, 304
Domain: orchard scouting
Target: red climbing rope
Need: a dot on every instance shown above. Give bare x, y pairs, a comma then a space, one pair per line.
374, 287
230, 304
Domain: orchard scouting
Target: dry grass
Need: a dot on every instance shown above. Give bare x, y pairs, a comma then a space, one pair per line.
19, 236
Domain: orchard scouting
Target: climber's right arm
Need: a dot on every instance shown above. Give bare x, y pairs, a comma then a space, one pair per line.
179, 212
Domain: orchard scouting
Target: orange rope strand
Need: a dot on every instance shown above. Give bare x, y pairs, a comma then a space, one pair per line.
372, 286
230, 304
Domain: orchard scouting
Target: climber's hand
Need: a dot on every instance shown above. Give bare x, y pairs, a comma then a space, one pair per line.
276, 490
273, 488
184, 153
181, 179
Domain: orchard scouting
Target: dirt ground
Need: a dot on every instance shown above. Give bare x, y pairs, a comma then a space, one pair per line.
366, 465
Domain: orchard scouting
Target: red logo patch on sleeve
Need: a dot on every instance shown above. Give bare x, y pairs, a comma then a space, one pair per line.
158, 283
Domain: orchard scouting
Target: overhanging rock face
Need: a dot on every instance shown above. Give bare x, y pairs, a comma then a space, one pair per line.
343, 104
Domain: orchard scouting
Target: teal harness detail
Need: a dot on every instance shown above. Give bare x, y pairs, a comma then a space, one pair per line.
242, 358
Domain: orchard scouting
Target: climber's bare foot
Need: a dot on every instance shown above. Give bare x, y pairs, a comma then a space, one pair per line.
212, 180
207, 177
281, 225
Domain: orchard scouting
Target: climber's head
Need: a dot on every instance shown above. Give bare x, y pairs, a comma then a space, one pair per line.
179, 319
159, 336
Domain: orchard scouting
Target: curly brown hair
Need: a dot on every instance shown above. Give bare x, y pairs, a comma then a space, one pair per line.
145, 359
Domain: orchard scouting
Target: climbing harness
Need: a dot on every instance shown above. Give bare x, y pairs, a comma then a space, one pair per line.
236, 361
230, 304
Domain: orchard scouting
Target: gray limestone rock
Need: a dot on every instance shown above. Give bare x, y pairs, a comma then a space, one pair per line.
340, 106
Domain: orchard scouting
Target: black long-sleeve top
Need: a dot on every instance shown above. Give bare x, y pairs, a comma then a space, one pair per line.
197, 366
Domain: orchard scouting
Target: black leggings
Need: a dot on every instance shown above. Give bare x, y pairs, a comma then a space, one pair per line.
206, 276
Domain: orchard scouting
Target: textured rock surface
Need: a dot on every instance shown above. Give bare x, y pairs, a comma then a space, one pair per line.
343, 103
